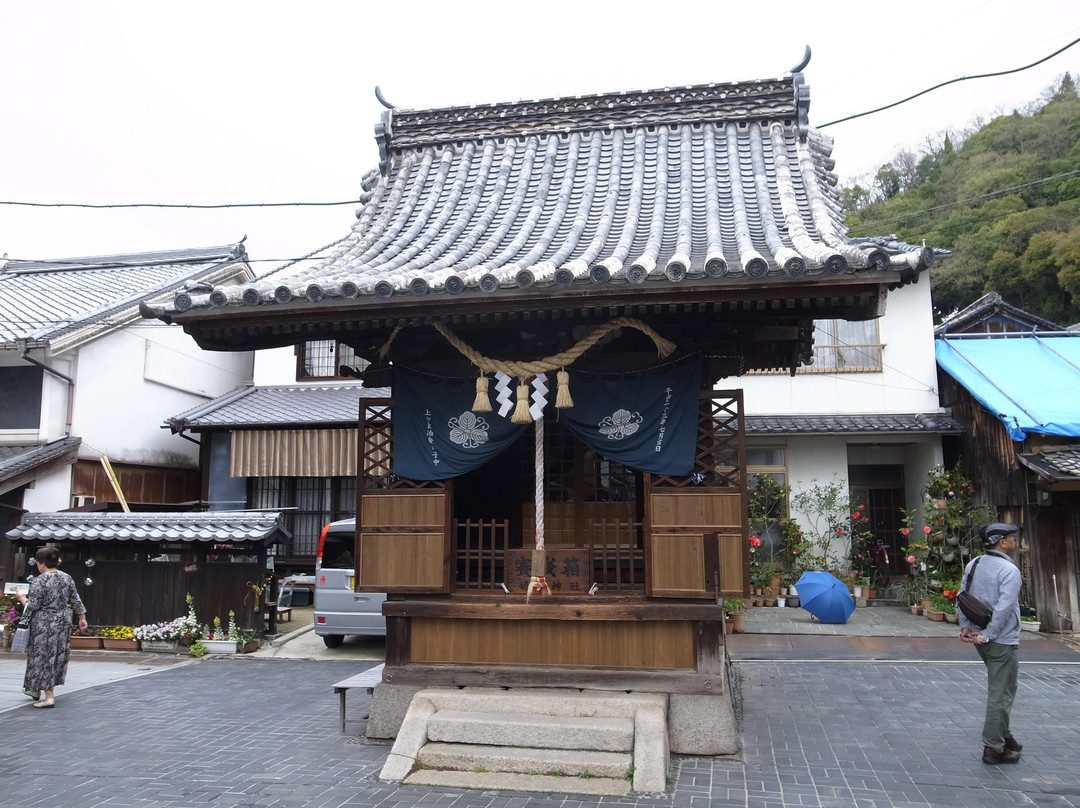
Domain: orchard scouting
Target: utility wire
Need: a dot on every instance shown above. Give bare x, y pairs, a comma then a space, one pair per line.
946, 84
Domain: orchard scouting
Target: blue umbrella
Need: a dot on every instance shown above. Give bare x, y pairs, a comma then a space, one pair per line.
825, 596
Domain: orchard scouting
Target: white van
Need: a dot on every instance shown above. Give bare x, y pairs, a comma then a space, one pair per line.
339, 611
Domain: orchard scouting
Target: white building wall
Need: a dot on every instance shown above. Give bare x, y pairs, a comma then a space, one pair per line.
275, 366
129, 382
906, 384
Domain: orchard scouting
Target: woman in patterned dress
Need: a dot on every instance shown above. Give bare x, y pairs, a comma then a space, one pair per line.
51, 600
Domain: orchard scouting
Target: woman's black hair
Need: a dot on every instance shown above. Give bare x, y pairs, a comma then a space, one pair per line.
49, 556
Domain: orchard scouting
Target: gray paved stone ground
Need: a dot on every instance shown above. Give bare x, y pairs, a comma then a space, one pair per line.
263, 732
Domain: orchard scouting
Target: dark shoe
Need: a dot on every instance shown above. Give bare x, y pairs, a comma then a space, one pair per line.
34, 694
1012, 744
990, 756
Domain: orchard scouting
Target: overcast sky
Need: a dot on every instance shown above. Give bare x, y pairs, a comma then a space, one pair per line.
227, 102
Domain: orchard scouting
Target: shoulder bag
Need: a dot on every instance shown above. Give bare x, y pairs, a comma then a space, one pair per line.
22, 634
974, 609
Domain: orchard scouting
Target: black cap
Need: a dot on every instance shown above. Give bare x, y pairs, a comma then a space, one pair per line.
994, 532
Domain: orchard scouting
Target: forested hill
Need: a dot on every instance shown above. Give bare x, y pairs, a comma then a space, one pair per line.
1005, 200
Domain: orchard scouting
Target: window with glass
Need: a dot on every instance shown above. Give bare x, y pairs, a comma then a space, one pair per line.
323, 359
845, 346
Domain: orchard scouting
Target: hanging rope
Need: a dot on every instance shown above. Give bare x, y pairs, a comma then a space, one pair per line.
538, 584
523, 370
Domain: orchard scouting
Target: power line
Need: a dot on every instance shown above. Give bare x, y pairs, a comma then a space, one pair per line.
947, 83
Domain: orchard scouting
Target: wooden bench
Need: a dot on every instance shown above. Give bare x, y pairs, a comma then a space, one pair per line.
367, 680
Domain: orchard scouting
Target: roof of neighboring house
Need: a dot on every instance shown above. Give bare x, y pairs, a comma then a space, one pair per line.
868, 424
42, 301
277, 406
19, 464
1031, 382
1055, 463
717, 185
991, 314
264, 527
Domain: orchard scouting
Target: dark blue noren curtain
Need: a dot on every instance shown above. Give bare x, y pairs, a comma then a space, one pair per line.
436, 433
648, 422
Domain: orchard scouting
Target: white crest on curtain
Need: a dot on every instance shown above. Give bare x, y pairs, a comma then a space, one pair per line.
620, 424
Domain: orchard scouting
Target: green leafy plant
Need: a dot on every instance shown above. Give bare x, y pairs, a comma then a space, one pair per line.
825, 508
732, 605
197, 649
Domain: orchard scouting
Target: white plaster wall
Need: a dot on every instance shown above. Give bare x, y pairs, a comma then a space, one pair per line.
129, 382
49, 493
275, 366
907, 383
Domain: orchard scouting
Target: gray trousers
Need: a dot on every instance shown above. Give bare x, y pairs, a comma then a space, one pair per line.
1002, 666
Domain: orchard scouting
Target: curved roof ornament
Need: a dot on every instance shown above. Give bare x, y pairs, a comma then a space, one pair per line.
801, 66
382, 100
802, 96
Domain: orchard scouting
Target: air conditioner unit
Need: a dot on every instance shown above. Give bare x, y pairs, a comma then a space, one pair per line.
81, 500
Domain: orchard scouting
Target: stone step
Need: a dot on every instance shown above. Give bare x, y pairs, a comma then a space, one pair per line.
542, 701
506, 781
525, 760
528, 729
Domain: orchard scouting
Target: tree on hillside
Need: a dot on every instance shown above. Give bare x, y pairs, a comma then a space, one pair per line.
1004, 197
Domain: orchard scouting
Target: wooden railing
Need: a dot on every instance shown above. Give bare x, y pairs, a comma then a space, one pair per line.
480, 549
615, 547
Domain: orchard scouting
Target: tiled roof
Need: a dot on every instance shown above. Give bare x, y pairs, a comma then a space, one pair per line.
715, 184
43, 300
870, 424
284, 405
1057, 464
22, 463
986, 307
265, 527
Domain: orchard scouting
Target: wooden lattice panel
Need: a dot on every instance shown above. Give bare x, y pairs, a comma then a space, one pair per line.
376, 449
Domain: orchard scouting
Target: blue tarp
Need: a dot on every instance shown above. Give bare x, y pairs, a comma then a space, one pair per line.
1031, 383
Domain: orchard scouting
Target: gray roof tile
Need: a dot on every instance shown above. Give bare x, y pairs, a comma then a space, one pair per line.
265, 527
712, 184
42, 300
284, 405
870, 424
18, 463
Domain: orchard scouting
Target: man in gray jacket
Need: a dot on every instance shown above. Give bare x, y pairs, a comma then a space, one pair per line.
996, 582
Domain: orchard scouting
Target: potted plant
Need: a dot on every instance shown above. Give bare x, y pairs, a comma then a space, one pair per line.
87, 639
220, 640
1030, 623
10, 612
119, 638
736, 610
161, 637
247, 640
938, 604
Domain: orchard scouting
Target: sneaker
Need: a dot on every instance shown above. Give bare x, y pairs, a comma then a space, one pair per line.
1012, 744
1004, 756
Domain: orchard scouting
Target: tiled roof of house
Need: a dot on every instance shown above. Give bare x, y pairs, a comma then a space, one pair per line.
265, 527
986, 307
41, 301
19, 464
278, 405
1055, 463
715, 184
869, 424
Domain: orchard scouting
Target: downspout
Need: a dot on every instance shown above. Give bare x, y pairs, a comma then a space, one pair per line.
24, 352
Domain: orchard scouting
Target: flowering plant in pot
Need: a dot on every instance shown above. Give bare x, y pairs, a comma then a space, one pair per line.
159, 636
119, 638
188, 628
218, 640
86, 639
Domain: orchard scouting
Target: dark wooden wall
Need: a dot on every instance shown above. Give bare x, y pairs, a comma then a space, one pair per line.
151, 484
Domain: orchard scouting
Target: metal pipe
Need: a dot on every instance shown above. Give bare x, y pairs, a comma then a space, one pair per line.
24, 352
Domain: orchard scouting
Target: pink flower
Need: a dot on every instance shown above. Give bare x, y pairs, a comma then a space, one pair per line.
856, 515
904, 531
926, 529
911, 559
755, 541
